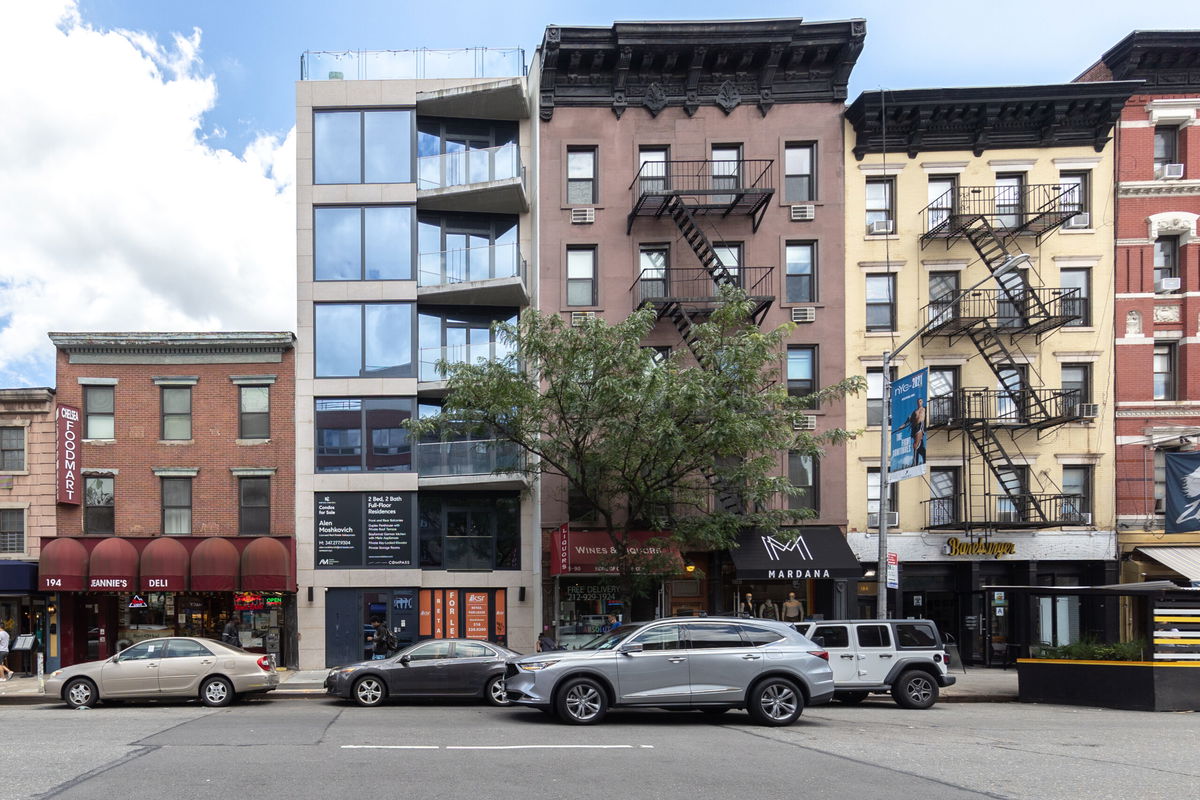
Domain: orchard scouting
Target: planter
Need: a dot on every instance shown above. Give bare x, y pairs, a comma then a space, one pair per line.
1132, 685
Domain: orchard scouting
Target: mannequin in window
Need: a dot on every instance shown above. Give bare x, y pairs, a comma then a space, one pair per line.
769, 609
793, 609
746, 607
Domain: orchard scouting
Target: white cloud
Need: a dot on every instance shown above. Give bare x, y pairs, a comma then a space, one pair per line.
115, 211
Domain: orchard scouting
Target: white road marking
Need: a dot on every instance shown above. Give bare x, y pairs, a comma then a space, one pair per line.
496, 747
389, 747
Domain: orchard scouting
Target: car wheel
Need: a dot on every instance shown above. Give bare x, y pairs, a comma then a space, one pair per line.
851, 698
915, 689
81, 693
582, 702
369, 691
216, 692
494, 692
775, 702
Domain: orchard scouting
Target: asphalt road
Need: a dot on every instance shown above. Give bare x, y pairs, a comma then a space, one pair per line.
319, 748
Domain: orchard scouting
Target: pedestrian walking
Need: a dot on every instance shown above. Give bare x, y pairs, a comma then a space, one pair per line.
383, 641
230, 634
6, 674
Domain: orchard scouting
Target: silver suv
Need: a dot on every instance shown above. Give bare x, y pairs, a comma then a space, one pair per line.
874, 656
711, 664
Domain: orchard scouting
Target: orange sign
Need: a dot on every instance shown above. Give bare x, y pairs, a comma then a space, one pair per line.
438, 614
477, 615
451, 614
425, 625
501, 625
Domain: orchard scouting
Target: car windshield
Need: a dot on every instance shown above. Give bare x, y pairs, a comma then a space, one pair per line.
607, 641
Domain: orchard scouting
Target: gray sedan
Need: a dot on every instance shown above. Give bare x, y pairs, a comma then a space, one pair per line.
183, 667
712, 664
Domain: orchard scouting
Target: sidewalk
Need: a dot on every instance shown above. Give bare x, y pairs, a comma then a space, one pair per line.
977, 685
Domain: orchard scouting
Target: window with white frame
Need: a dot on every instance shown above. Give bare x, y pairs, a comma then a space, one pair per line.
12, 449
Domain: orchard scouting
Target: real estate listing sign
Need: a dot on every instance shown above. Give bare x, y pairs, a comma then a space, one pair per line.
909, 398
364, 530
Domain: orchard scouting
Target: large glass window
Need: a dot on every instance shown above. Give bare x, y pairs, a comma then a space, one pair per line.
881, 302
1077, 300
460, 337
477, 531
799, 183
98, 508
581, 176
254, 412
459, 151
254, 506
802, 370
1164, 370
802, 473
12, 449
98, 408
455, 248
177, 506
176, 412
880, 201
581, 276
363, 146
363, 243
364, 340
363, 434
801, 272
12, 530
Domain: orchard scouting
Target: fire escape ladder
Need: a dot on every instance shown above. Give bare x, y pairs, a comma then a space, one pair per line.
1024, 302
1007, 475
699, 243
1028, 406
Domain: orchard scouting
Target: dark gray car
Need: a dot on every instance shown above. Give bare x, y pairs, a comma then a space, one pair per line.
711, 664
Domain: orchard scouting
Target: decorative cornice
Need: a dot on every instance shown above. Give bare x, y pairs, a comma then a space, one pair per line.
172, 343
1158, 188
658, 65
987, 118
1168, 61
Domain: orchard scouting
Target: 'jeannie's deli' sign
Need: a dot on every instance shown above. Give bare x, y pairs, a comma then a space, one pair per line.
70, 487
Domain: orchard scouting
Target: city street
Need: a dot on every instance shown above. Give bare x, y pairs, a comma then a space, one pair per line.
319, 748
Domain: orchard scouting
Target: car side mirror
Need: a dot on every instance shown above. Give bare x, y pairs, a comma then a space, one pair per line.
405, 659
634, 647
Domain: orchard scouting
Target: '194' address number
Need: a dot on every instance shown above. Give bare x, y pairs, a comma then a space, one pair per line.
54, 581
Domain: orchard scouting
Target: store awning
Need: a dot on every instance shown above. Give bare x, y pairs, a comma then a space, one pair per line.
1184, 560
816, 551
63, 566
165, 566
18, 576
113, 566
266, 566
215, 566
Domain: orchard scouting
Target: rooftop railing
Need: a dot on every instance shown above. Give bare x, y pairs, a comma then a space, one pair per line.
473, 62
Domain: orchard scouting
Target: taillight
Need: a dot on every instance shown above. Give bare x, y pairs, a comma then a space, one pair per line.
264, 663
819, 654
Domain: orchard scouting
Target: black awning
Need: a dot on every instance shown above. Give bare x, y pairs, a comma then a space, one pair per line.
816, 551
18, 576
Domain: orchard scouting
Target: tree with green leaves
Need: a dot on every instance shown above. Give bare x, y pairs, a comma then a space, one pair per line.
687, 446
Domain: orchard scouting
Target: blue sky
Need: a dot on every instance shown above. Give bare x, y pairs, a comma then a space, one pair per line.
147, 152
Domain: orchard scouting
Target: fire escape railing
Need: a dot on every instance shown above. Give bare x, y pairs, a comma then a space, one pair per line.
1029, 210
951, 513
725, 187
1006, 408
1020, 310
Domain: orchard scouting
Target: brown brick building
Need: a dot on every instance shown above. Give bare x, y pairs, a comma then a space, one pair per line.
187, 469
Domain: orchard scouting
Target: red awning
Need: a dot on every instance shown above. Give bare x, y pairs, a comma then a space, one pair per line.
266, 566
63, 566
113, 566
214, 566
165, 566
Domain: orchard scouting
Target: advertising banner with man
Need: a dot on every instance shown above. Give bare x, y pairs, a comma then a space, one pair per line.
1183, 492
909, 416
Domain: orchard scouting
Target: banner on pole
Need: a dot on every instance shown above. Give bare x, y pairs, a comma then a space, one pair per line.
909, 417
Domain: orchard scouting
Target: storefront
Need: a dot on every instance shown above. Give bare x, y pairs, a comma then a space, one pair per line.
115, 591
947, 579
22, 611
811, 568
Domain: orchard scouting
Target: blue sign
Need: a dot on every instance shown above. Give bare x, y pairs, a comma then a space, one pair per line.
909, 417
1183, 492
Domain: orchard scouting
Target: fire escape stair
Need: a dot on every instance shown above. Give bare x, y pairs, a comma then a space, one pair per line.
1006, 473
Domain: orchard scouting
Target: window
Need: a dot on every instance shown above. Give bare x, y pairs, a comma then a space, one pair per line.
653, 260
98, 512
1077, 491
661, 637
1166, 147
943, 297
941, 197
12, 530
801, 272
254, 412
1012, 401
1076, 378
581, 176
473, 650
475, 531
366, 243
12, 449
873, 476
874, 636
254, 506
943, 496
802, 370
880, 200
1010, 483
802, 473
726, 170
799, 183
581, 276
919, 636
176, 412
362, 146
943, 395
177, 506
831, 635
1077, 186
1077, 290
1160, 477
98, 406
714, 636
1166, 258
364, 340
1010, 197
875, 394
881, 302
186, 648
460, 337
344, 423
730, 256
433, 651
1164, 371
459, 151
760, 636
652, 167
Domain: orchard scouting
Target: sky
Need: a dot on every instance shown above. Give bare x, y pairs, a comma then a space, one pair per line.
147, 150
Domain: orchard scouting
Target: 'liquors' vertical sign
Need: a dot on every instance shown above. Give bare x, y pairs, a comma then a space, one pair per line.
70, 487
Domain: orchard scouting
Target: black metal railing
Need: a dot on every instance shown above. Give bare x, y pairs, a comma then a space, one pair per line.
1010, 209
711, 177
1001, 511
1013, 310
696, 284
1010, 408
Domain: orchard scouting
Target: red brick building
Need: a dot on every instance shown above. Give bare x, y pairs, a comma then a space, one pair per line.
183, 513
1157, 304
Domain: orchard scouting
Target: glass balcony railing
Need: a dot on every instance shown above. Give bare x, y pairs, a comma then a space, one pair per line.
480, 457
474, 62
466, 167
470, 264
459, 354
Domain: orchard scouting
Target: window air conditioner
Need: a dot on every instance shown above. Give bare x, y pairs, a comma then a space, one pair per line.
1089, 410
804, 422
805, 212
583, 216
893, 519
1164, 285
804, 314
578, 318
1081, 220
881, 226
1170, 171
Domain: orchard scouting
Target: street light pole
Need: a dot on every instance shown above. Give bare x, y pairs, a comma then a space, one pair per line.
885, 436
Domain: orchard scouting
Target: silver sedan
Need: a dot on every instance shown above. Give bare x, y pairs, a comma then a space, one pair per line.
178, 666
